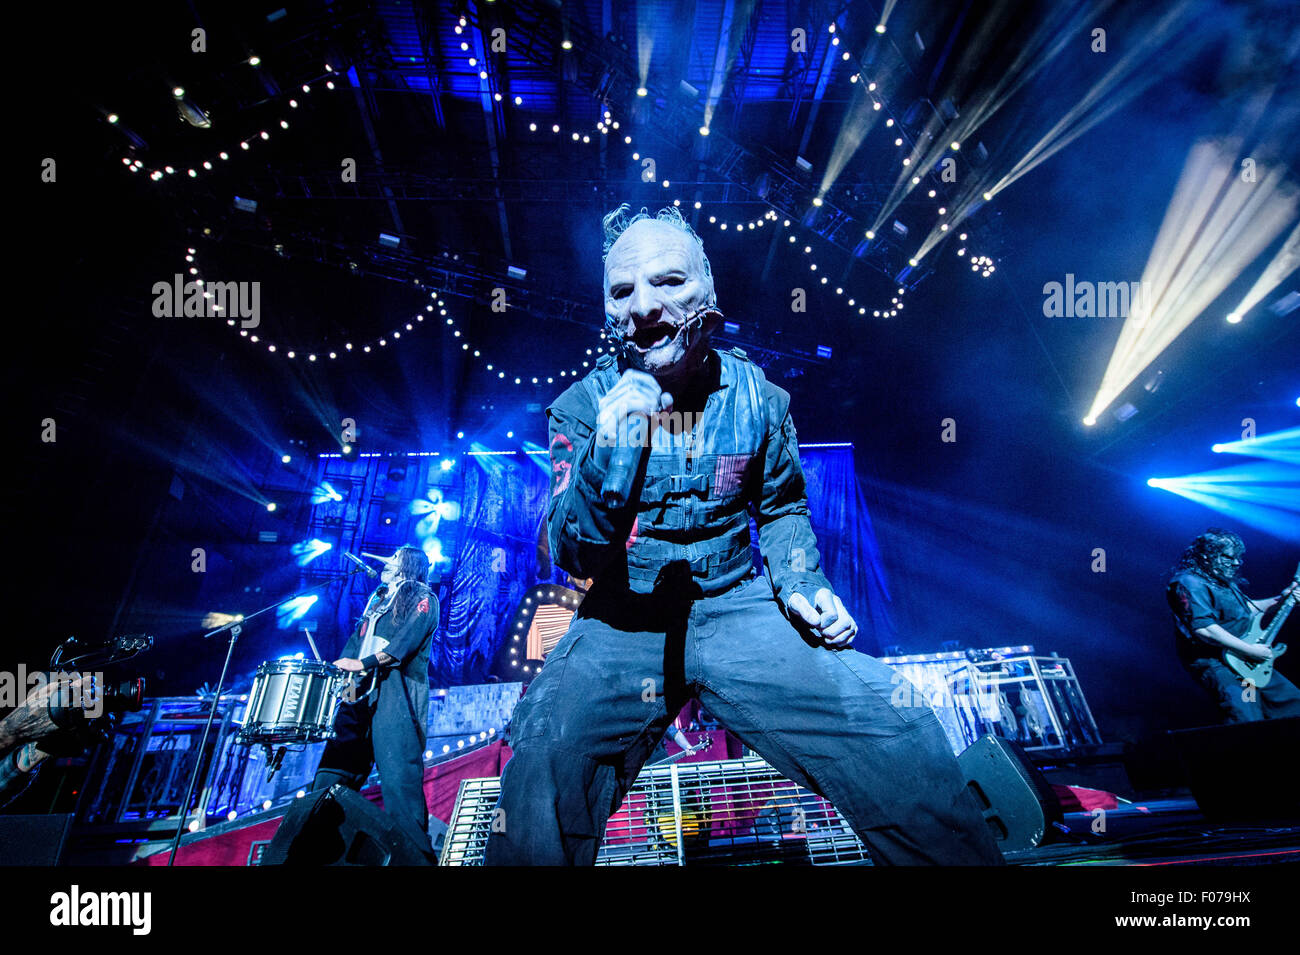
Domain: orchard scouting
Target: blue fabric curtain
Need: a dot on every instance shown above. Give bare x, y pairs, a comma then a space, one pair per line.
500, 556
847, 541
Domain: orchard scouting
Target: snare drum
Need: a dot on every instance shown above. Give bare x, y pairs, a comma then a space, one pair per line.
292, 701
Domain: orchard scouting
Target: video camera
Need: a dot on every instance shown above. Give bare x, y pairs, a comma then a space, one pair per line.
77, 729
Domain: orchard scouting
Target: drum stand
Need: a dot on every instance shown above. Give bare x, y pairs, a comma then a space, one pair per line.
234, 628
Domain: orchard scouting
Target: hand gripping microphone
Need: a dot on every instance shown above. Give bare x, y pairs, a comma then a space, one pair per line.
623, 464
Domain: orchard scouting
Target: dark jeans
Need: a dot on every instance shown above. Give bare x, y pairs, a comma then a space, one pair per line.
1277, 700
382, 732
838, 723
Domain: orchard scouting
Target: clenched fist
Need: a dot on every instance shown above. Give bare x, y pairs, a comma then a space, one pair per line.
827, 618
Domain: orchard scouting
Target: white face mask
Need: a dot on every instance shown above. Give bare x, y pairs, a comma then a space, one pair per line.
656, 294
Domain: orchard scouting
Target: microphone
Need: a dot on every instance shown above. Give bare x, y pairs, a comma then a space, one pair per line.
623, 464
357, 560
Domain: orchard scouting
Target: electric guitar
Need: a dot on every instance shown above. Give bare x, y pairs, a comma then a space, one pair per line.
705, 742
1259, 672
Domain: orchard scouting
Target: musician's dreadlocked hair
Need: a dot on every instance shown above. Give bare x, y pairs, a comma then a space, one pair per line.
1200, 553
412, 587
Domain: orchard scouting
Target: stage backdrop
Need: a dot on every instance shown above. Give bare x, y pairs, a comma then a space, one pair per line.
479, 516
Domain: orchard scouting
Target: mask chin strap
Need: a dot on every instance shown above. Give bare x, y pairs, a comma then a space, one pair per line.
696, 318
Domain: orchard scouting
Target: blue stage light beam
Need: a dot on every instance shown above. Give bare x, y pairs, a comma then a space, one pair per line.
1265, 496
538, 455
1278, 446
293, 610
325, 492
307, 551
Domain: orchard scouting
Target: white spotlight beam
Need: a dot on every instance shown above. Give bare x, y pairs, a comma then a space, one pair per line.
1215, 226
1275, 273
858, 121
1122, 83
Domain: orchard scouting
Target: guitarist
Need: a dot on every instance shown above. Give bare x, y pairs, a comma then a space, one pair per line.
383, 719
1211, 614
683, 721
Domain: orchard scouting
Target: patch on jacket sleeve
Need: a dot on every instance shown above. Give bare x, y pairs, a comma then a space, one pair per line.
561, 463
422, 606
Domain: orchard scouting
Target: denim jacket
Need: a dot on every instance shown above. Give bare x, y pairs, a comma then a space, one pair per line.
737, 456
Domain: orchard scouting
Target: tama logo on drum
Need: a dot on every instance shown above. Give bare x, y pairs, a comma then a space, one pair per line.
292, 696
75, 907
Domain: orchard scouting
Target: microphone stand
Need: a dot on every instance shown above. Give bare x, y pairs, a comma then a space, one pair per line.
234, 628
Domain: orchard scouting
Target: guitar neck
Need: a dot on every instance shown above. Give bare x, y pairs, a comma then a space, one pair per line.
704, 743
1279, 618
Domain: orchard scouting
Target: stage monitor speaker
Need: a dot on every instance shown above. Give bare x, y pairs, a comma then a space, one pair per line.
1243, 771
33, 839
337, 826
1017, 801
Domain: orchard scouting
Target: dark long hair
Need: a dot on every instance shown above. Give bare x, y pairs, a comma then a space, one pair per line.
1199, 555
412, 587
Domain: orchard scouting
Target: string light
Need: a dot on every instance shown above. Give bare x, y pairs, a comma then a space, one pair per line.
602, 126
381, 342
244, 144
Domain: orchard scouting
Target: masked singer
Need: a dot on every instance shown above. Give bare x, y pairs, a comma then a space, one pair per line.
383, 719
659, 457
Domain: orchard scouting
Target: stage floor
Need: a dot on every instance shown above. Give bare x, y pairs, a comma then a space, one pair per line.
1167, 831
